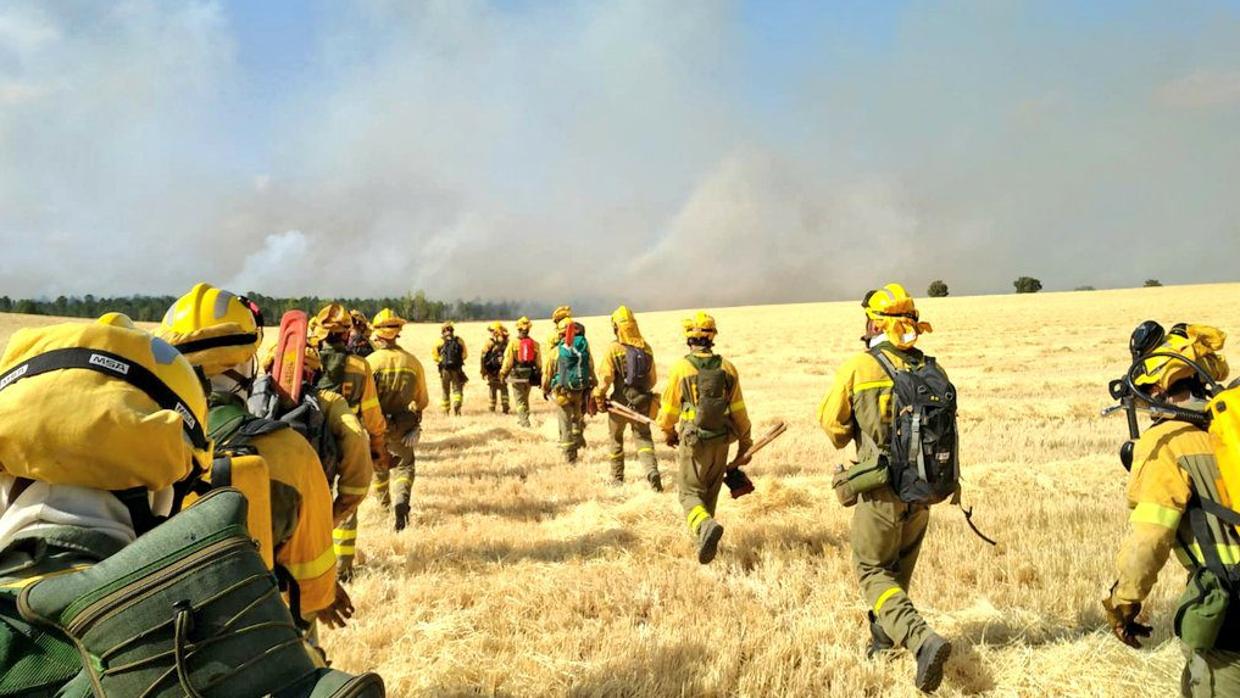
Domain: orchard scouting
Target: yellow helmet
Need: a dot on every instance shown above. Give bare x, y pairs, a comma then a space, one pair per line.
1197, 343
100, 405
560, 313
892, 309
117, 320
889, 301
387, 324
523, 323
358, 320
333, 319
447, 325
700, 326
497, 327
213, 328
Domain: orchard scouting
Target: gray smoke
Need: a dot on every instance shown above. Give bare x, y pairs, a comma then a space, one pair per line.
648, 152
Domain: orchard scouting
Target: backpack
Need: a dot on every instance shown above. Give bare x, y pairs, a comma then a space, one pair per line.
493, 360
922, 453
714, 389
451, 356
637, 364
186, 609
332, 376
572, 364
526, 367
307, 419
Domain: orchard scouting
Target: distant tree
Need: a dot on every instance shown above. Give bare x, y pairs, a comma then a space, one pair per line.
1151, 283
26, 306
1085, 288
6, 304
1027, 284
937, 289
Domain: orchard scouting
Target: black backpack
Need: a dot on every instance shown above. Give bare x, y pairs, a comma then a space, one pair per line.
450, 354
307, 419
493, 360
922, 453
637, 365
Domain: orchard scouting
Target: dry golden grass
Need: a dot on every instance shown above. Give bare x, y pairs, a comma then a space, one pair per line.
521, 575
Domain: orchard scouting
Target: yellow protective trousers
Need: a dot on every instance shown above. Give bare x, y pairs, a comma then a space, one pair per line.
886, 540
572, 424
499, 392
645, 446
521, 395
702, 465
453, 383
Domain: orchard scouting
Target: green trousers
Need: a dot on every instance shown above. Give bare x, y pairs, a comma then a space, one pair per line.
499, 392
645, 446
453, 381
521, 395
1210, 674
572, 424
403, 459
886, 540
702, 465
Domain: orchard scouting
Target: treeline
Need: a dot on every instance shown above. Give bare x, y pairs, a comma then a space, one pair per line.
416, 307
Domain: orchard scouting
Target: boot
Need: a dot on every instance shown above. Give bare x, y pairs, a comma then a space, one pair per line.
879, 641
656, 482
506, 409
492, 406
457, 410
931, 656
523, 420
402, 516
708, 540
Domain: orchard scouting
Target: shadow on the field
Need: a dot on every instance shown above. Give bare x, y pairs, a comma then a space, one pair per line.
462, 441
750, 543
519, 509
662, 670
499, 552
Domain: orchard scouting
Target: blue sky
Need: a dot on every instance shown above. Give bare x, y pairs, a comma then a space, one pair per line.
798, 150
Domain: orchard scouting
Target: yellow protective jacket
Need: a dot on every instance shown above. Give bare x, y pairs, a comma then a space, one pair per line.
552, 367
1165, 460
611, 369
353, 441
301, 516
489, 345
681, 393
439, 347
400, 380
858, 405
510, 357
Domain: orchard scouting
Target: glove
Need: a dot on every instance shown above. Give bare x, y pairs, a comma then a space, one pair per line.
1123, 621
411, 439
738, 482
671, 438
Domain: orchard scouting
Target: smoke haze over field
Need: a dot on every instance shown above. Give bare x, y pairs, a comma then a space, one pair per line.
664, 154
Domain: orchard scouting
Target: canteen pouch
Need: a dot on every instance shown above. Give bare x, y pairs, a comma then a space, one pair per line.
860, 478
1202, 612
187, 609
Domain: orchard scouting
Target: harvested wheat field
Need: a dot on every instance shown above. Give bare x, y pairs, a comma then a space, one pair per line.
520, 575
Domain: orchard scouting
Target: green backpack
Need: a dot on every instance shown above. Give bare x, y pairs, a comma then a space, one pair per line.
714, 387
187, 609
